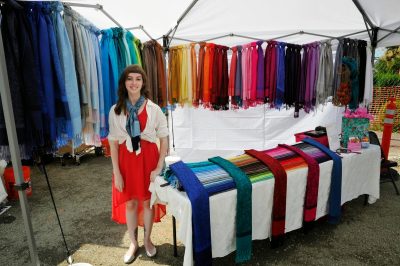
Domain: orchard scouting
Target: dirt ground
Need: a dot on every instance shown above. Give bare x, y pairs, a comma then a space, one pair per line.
366, 235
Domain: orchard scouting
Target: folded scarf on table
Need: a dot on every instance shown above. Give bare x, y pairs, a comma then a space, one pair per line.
288, 159
279, 204
253, 168
200, 212
336, 181
310, 204
213, 177
243, 209
314, 152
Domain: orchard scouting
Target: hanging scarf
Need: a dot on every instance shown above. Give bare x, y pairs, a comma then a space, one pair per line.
260, 73
237, 98
280, 75
352, 65
270, 72
132, 122
362, 53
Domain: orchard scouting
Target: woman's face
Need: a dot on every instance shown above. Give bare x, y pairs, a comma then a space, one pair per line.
134, 83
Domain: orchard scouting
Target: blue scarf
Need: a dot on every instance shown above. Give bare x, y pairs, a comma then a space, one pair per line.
132, 121
200, 212
335, 194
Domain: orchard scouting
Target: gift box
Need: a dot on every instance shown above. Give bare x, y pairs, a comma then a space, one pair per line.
354, 128
323, 139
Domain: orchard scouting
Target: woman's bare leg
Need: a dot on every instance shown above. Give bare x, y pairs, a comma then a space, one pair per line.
132, 224
148, 215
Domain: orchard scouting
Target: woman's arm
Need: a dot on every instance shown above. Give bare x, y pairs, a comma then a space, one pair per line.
118, 181
160, 164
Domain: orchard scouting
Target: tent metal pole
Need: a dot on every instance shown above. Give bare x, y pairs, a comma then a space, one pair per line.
374, 44
15, 153
140, 27
173, 34
390, 33
97, 6
143, 29
181, 17
81, 5
368, 29
109, 16
169, 110
316, 34
219, 37
284, 36
349, 34
363, 13
187, 10
374, 36
246, 37
181, 39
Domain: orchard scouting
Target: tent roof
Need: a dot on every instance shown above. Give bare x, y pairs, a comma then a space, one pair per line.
254, 18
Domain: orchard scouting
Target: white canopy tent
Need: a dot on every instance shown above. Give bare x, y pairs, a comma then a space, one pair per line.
228, 23
207, 19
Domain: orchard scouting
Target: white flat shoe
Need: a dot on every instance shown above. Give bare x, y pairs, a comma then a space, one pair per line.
129, 259
151, 254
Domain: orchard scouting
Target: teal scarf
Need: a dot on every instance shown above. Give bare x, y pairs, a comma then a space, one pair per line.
243, 208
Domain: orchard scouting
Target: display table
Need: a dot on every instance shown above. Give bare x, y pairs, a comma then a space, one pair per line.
360, 176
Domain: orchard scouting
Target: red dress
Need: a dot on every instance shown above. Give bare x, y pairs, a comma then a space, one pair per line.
135, 171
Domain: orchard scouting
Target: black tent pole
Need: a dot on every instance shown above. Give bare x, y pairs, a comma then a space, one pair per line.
374, 28
15, 154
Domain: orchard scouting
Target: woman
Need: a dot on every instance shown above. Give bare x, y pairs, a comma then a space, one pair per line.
135, 124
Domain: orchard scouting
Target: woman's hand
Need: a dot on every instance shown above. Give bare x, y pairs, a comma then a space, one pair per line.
118, 182
156, 172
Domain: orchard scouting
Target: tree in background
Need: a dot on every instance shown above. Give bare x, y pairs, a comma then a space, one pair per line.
386, 76
387, 68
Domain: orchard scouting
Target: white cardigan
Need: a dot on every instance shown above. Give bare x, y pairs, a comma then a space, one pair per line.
156, 126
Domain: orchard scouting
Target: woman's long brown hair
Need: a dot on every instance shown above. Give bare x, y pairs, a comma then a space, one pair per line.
123, 93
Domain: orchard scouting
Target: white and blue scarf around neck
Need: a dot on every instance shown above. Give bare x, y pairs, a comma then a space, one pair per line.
132, 122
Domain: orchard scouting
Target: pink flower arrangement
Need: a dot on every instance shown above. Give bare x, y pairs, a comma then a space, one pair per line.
361, 112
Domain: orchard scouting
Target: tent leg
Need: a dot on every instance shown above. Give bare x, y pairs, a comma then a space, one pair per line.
174, 236
15, 153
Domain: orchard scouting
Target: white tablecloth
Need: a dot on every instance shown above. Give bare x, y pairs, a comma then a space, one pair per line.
360, 176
